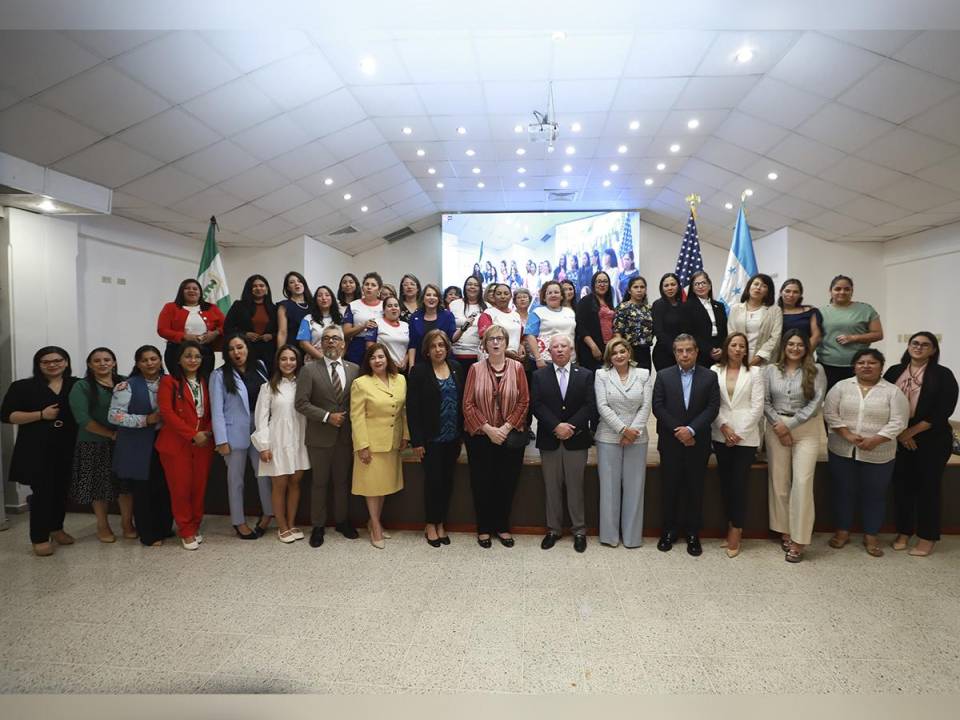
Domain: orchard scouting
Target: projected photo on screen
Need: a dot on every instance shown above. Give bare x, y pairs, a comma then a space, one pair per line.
527, 249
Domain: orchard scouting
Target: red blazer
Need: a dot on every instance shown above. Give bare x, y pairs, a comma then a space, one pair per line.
173, 318
179, 415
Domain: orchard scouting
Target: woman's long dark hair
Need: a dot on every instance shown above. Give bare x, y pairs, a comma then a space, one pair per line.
678, 296
317, 314
176, 372
247, 301
303, 281
480, 301
791, 281
204, 305
143, 349
807, 364
341, 298
91, 380
691, 295
50, 350
608, 297
249, 371
277, 375
934, 359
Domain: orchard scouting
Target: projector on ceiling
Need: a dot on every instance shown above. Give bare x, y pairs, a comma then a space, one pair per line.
545, 132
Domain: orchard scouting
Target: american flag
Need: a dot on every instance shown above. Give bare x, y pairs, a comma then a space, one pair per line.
689, 261
626, 237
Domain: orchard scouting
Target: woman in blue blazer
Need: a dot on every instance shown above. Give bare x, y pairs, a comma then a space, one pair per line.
234, 388
430, 316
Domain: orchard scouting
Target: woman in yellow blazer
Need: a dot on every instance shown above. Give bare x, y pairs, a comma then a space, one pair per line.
378, 418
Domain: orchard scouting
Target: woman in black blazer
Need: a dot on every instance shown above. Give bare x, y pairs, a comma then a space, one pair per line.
668, 320
706, 318
435, 417
254, 316
595, 314
923, 449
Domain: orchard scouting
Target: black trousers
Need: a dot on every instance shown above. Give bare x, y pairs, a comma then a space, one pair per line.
641, 356
733, 467
681, 471
439, 463
836, 373
917, 484
172, 350
494, 471
151, 504
48, 507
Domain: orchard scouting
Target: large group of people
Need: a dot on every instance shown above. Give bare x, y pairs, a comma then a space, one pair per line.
341, 381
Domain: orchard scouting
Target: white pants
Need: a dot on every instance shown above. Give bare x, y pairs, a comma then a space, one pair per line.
623, 474
790, 472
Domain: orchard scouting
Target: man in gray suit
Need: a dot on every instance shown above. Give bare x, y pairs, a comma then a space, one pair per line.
323, 397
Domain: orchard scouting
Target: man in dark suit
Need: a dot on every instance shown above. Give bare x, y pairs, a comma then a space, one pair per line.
323, 397
564, 404
686, 399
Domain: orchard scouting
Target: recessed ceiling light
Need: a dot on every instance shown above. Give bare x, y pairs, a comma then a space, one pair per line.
47, 205
347, 196
634, 125
693, 123
461, 130
521, 170
421, 152
518, 128
440, 185
622, 149
470, 152
368, 66
606, 183
614, 167
661, 166
481, 185
550, 148
432, 171
648, 181
728, 205
559, 35
744, 55
407, 130
576, 127
772, 176
567, 168
476, 171
521, 184
564, 183
328, 181
363, 208
674, 148
748, 192
571, 150
521, 151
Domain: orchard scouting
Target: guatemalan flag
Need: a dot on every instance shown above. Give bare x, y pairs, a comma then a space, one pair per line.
741, 263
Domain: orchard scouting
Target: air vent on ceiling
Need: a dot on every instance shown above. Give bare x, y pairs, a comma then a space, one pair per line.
345, 230
562, 195
398, 234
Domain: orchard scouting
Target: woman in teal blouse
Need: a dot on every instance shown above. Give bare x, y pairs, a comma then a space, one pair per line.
848, 327
94, 481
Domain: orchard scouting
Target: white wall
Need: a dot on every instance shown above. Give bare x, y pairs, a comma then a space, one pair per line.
771, 254
324, 265
418, 254
273, 263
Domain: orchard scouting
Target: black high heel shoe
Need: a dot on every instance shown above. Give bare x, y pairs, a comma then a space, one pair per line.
252, 535
433, 543
262, 530
506, 542
445, 539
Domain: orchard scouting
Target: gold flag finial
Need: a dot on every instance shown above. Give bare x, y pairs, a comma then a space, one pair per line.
693, 200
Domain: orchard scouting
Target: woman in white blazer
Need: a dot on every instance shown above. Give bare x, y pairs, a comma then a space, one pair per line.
759, 318
736, 431
623, 393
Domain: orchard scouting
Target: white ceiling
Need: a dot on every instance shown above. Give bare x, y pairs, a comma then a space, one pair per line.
862, 127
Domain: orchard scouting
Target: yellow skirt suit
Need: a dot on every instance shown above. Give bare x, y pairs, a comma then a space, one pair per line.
378, 416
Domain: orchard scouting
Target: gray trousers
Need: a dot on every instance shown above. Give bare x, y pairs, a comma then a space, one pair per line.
623, 474
326, 464
563, 468
236, 469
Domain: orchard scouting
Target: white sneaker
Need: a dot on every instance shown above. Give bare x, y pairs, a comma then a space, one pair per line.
189, 545
286, 536
297, 533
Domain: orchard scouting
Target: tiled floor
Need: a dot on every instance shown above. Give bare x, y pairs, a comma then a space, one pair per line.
263, 617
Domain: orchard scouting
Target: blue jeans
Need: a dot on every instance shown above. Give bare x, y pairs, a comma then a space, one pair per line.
849, 478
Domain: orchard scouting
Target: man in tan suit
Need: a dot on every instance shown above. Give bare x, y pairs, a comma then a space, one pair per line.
323, 397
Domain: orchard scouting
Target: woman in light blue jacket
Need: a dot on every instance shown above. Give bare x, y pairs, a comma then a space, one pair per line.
234, 388
623, 400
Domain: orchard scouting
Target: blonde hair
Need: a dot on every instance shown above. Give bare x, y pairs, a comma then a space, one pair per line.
486, 334
611, 346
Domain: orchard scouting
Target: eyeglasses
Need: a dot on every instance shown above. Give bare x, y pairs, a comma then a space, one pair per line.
333, 339
920, 345
497, 338
701, 283
52, 362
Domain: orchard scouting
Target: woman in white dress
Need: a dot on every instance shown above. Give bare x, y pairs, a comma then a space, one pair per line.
279, 436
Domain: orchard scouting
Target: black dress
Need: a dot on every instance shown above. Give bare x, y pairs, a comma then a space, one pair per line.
668, 322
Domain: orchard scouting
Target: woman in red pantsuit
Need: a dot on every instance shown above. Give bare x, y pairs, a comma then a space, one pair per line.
185, 440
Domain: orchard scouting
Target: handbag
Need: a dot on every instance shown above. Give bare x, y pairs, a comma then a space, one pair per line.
516, 439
